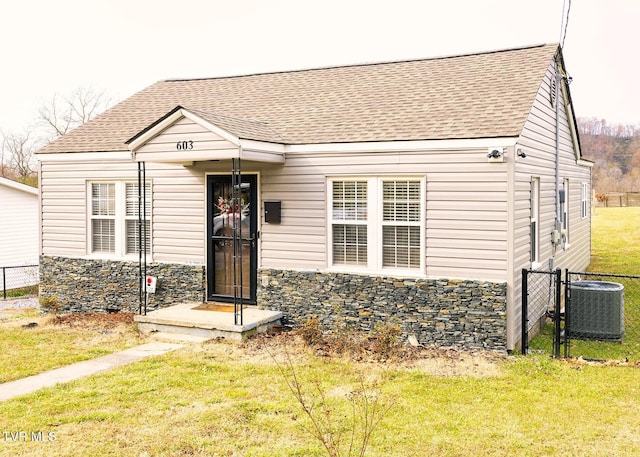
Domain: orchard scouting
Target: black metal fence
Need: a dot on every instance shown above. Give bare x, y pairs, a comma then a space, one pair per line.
19, 281
589, 315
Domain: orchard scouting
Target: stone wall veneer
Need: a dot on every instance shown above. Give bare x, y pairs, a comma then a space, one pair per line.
467, 314
97, 285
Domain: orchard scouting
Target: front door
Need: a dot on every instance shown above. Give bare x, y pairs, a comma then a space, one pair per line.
221, 217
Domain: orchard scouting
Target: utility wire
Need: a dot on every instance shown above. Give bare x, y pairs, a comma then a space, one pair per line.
565, 23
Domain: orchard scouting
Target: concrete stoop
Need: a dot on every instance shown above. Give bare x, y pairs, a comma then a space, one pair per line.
184, 321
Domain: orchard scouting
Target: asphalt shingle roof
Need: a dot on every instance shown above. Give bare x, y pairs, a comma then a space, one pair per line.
471, 96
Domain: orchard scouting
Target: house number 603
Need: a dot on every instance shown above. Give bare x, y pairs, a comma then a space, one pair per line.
184, 145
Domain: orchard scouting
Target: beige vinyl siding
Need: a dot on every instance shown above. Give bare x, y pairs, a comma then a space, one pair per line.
300, 240
538, 142
63, 208
178, 193
185, 131
465, 208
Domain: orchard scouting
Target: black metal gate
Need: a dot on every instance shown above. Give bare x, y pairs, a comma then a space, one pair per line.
541, 300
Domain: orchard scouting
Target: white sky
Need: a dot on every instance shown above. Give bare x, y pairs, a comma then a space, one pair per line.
121, 46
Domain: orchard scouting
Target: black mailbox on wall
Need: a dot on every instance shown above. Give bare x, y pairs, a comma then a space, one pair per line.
272, 211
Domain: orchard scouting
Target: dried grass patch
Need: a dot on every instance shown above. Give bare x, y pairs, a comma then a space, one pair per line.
442, 362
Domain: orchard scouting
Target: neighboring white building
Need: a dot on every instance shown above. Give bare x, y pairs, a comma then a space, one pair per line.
19, 224
410, 191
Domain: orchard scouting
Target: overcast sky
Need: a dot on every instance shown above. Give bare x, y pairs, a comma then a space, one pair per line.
121, 46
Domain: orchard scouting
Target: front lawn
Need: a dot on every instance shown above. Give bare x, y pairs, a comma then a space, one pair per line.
55, 341
220, 399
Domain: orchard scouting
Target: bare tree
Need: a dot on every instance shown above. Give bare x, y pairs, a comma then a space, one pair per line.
63, 114
17, 156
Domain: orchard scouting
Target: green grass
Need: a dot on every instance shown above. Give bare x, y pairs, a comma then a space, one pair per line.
615, 235
615, 241
23, 292
219, 400
28, 351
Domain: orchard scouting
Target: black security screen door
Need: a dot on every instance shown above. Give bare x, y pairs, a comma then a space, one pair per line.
222, 214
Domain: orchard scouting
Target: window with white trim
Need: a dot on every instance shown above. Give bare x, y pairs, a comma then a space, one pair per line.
401, 224
113, 213
565, 211
377, 223
534, 224
585, 201
349, 228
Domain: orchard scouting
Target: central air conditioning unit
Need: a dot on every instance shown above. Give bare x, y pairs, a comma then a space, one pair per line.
596, 311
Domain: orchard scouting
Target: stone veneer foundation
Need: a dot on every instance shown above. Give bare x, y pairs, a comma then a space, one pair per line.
467, 314
95, 285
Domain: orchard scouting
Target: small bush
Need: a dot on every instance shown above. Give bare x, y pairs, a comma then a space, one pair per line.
50, 303
386, 342
311, 331
344, 426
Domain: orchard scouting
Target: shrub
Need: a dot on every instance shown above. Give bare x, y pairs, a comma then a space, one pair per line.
386, 342
311, 331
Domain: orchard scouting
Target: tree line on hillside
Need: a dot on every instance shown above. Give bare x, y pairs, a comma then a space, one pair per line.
615, 151
55, 118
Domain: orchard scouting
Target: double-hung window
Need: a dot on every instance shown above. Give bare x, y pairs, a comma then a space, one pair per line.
349, 228
377, 223
115, 226
565, 212
401, 223
585, 201
534, 224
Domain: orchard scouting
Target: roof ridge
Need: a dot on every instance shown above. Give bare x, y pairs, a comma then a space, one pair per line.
365, 64
226, 116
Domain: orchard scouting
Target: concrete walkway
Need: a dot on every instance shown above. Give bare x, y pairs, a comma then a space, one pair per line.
81, 369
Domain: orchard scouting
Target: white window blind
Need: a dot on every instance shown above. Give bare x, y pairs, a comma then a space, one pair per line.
377, 223
103, 212
132, 223
401, 244
115, 225
349, 207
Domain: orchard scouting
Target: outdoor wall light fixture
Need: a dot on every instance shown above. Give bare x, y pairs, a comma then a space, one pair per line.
495, 155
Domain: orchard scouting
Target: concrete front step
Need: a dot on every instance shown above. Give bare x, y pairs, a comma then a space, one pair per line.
178, 337
184, 319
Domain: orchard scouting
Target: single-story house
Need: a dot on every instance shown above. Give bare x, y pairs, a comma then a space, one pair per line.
411, 192
19, 225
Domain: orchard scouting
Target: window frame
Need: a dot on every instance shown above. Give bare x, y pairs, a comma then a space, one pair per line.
565, 225
121, 219
534, 222
374, 223
585, 201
